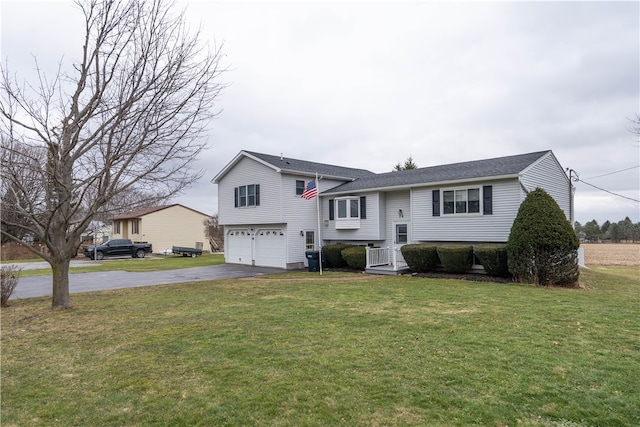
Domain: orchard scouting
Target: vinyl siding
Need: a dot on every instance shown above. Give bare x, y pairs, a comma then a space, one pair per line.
247, 172
279, 205
174, 226
301, 215
124, 233
371, 228
395, 201
547, 174
466, 227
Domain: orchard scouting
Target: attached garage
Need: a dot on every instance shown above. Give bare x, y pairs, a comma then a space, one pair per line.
237, 246
270, 248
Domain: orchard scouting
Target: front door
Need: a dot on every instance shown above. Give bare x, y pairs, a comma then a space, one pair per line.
401, 236
310, 241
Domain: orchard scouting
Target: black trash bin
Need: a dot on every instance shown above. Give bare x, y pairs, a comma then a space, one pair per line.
313, 259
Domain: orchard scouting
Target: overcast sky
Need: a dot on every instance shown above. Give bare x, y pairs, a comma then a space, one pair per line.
367, 84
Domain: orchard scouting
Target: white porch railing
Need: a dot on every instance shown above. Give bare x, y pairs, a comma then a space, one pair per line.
386, 256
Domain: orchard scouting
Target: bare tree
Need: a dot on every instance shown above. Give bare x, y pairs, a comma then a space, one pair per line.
634, 127
128, 120
215, 233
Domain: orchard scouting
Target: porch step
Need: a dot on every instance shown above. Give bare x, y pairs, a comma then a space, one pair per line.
386, 270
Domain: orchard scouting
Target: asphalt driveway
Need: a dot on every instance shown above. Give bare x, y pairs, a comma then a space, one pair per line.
38, 286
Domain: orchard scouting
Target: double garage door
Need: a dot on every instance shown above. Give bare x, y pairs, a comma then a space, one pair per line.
266, 247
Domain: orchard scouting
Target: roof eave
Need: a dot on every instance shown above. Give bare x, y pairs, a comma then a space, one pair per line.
216, 179
423, 184
320, 175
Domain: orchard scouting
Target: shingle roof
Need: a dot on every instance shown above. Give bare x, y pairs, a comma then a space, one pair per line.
295, 165
140, 212
137, 213
487, 168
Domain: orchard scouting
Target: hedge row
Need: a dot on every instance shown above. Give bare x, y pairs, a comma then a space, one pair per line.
339, 255
333, 254
424, 258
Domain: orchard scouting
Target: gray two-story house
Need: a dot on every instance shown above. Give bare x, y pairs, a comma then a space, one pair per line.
268, 223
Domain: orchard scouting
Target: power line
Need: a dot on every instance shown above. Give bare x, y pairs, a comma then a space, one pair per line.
610, 192
611, 173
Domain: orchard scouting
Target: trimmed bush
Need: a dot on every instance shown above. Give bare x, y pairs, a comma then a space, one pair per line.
355, 257
456, 258
332, 254
420, 258
542, 247
493, 258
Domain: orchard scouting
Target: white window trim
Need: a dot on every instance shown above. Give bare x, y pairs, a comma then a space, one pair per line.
246, 196
348, 201
349, 222
465, 214
310, 246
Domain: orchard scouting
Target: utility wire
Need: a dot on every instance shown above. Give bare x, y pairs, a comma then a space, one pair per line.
607, 191
611, 173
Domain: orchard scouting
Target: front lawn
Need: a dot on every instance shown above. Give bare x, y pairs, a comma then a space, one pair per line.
154, 263
344, 349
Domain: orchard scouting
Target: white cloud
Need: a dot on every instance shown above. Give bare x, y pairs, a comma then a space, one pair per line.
366, 84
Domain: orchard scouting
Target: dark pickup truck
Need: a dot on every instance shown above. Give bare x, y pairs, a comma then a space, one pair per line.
118, 247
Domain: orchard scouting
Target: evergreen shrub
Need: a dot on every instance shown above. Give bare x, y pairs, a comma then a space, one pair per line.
493, 258
456, 258
332, 254
542, 247
421, 258
355, 257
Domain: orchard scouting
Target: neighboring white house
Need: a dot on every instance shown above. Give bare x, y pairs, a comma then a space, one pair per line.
163, 226
97, 231
268, 223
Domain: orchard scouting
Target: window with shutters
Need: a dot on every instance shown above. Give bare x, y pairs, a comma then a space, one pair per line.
246, 196
474, 200
348, 211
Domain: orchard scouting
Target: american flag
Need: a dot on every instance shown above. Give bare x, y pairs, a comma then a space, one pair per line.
310, 191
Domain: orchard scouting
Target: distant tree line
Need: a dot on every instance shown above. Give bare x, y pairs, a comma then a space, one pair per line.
616, 232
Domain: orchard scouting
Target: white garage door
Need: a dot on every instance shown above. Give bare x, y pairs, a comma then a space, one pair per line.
270, 248
237, 247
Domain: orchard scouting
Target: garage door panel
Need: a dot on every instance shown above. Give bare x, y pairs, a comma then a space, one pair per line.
270, 248
238, 247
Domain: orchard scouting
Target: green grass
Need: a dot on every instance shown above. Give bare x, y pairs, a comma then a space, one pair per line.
344, 349
157, 263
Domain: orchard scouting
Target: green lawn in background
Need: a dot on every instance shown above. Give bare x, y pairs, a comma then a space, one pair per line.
342, 349
155, 263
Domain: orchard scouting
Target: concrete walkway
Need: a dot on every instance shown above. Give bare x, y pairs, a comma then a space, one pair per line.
38, 286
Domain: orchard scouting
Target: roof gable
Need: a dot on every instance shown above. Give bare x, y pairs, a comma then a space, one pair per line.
296, 166
487, 168
139, 213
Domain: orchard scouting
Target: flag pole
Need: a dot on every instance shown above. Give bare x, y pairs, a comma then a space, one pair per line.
319, 236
